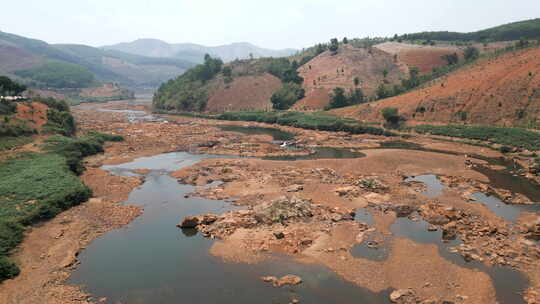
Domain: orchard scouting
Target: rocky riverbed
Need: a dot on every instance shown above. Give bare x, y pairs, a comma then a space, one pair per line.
445, 245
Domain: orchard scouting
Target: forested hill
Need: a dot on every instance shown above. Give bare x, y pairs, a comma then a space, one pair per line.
40, 64
528, 29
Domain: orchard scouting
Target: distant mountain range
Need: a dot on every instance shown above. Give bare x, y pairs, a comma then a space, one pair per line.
194, 52
21, 56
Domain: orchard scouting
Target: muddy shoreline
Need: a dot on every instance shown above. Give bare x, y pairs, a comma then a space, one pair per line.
49, 251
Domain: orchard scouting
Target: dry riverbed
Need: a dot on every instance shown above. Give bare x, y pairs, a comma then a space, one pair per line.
306, 210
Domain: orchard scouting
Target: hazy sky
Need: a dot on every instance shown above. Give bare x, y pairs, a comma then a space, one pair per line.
271, 24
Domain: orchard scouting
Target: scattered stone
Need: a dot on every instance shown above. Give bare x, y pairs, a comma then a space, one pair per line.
306, 242
294, 188
349, 190
403, 210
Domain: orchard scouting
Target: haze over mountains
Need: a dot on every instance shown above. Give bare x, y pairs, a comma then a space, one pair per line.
195, 52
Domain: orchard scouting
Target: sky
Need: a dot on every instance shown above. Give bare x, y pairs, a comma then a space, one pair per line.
272, 24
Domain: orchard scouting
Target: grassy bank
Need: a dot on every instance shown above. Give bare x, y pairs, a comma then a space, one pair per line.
514, 137
38, 186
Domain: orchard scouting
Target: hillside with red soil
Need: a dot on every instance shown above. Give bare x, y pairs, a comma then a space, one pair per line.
33, 113
328, 71
250, 92
502, 90
428, 57
424, 57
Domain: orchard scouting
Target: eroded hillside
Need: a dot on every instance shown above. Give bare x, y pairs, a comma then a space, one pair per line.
503, 90
328, 71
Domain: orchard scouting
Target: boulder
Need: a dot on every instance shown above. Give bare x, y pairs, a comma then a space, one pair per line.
294, 188
403, 210
189, 222
403, 296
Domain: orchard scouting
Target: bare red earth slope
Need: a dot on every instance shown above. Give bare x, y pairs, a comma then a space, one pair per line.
251, 92
327, 71
503, 90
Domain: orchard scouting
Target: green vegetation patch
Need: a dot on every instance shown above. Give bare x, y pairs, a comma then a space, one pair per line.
59, 74
36, 187
75, 149
312, 121
11, 127
188, 92
514, 137
7, 143
33, 187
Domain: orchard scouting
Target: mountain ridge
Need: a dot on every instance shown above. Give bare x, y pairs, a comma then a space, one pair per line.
152, 47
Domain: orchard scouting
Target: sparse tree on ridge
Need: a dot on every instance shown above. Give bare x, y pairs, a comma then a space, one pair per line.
471, 53
334, 45
451, 59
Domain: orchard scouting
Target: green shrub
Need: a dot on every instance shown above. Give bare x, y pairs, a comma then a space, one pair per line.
60, 122
287, 96
15, 128
340, 99
471, 53
505, 149
7, 107
8, 269
9, 142
462, 115
390, 114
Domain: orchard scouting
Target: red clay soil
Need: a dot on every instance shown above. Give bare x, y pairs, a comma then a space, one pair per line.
491, 91
424, 57
34, 113
330, 71
244, 93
